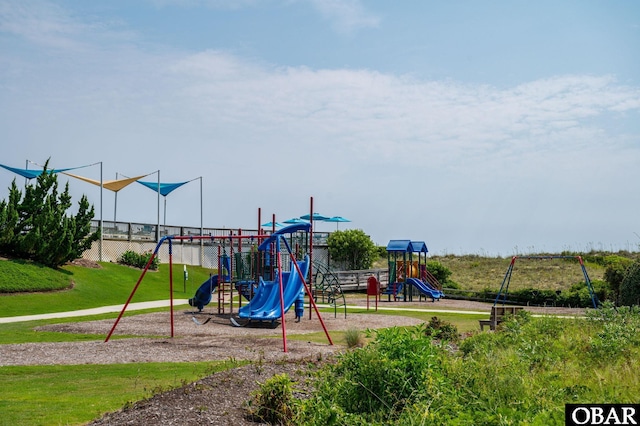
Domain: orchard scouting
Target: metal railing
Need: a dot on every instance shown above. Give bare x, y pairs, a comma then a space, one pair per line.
119, 237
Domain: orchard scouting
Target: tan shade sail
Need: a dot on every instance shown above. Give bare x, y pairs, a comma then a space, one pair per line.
111, 185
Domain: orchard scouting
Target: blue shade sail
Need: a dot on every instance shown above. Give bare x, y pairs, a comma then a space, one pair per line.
165, 188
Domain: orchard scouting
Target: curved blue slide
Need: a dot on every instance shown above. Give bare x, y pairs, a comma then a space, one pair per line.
265, 304
206, 289
204, 292
426, 288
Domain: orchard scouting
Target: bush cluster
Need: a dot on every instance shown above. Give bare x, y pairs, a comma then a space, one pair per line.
131, 258
524, 373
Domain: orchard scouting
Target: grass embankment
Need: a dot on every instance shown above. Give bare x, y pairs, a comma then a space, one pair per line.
85, 288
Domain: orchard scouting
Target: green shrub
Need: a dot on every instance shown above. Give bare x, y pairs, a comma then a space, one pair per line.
131, 258
441, 272
274, 402
442, 330
619, 332
354, 338
630, 286
374, 384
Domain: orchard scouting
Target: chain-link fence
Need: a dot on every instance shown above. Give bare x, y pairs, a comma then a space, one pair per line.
120, 237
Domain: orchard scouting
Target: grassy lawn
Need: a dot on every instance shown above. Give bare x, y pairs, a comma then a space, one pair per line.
77, 394
110, 285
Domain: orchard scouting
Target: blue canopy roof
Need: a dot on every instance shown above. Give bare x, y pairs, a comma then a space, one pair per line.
165, 188
419, 247
400, 245
407, 246
30, 174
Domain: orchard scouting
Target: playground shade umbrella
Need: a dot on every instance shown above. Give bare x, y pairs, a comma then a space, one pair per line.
271, 224
337, 220
295, 220
316, 216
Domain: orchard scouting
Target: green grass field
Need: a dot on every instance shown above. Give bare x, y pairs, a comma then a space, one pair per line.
77, 394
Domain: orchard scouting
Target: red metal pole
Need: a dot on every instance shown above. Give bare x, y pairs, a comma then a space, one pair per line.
230, 272
124, 308
311, 252
259, 222
171, 284
241, 264
284, 324
311, 301
220, 293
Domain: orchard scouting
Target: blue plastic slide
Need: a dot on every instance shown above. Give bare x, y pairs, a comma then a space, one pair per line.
206, 289
203, 294
265, 304
426, 288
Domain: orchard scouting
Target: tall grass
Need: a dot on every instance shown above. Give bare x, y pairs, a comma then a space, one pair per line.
522, 374
479, 273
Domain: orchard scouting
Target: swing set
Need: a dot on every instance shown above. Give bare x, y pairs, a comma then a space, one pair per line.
504, 288
270, 248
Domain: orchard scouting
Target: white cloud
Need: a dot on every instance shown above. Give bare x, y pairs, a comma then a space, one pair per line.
49, 25
347, 15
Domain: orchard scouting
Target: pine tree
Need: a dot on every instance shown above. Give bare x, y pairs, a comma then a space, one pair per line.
37, 226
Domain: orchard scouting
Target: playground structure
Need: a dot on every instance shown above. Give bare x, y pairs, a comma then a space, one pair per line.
408, 276
263, 280
504, 288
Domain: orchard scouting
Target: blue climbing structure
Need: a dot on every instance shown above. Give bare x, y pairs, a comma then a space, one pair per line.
409, 276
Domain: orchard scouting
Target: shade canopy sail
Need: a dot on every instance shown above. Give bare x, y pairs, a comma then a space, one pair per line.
31, 174
165, 188
111, 185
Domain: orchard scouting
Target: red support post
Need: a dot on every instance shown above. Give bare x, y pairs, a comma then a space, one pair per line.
311, 301
284, 324
171, 284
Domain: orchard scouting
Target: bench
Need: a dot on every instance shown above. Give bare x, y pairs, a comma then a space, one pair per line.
497, 315
393, 289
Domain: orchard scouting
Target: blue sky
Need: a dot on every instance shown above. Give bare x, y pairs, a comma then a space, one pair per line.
482, 127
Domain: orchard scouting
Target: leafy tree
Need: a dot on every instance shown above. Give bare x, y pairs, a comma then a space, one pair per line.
630, 286
37, 226
353, 247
